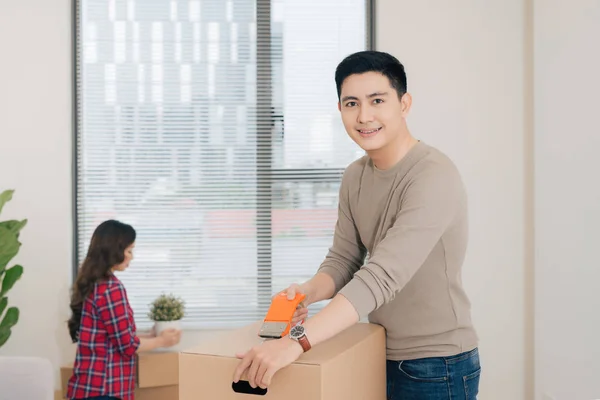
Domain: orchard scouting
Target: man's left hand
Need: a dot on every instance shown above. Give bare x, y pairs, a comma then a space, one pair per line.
263, 361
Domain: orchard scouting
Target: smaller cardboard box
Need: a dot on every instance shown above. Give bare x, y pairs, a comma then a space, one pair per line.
349, 366
157, 376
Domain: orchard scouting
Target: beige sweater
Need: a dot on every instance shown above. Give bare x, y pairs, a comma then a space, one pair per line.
398, 252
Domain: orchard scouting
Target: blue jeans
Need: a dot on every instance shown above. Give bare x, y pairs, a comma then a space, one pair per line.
437, 378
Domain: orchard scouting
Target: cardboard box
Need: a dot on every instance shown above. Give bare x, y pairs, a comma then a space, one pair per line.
350, 366
157, 376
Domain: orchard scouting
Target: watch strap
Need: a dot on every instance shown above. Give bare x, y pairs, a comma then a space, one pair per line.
303, 340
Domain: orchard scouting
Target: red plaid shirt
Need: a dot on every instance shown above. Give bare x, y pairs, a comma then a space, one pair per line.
105, 361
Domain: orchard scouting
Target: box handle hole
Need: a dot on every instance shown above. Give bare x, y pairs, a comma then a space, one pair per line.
245, 388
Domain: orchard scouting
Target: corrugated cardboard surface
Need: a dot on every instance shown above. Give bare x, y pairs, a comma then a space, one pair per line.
350, 366
158, 393
155, 393
157, 376
155, 369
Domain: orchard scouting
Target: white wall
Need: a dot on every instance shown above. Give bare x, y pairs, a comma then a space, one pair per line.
466, 71
567, 198
35, 160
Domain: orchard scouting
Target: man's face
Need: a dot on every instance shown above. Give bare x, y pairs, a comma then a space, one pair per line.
372, 113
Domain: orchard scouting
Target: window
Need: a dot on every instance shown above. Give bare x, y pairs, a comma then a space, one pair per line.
211, 126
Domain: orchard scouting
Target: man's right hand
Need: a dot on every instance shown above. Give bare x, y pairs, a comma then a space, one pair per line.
302, 310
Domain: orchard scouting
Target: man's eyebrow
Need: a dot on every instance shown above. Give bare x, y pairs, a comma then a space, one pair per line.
346, 98
377, 94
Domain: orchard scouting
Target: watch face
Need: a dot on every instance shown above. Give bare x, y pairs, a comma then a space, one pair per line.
297, 331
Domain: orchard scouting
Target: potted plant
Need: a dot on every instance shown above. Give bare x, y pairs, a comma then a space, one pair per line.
9, 247
166, 312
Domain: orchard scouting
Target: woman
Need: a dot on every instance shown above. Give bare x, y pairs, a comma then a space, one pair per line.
102, 321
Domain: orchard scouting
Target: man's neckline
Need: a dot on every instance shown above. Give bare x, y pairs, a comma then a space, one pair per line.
413, 152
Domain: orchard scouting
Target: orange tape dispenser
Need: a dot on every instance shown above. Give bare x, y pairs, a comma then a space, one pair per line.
278, 321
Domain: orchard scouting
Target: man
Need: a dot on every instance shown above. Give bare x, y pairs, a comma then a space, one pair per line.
403, 208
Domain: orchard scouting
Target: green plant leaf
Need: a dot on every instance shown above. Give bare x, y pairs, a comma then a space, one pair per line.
4, 335
10, 319
167, 308
9, 247
5, 197
13, 225
11, 276
3, 304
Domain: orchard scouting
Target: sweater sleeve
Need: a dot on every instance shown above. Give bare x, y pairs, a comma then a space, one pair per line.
347, 253
428, 206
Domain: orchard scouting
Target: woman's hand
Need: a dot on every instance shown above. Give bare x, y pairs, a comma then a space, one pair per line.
170, 337
167, 338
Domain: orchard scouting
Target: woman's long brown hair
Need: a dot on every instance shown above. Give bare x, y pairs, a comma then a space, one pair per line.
106, 250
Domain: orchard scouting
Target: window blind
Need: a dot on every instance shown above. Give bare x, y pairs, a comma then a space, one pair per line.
212, 127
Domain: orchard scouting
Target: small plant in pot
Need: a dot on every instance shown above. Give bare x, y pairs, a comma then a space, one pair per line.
166, 312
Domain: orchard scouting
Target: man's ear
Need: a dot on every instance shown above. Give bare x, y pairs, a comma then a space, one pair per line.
339, 106
406, 104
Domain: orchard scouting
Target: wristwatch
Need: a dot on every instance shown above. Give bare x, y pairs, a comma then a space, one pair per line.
298, 334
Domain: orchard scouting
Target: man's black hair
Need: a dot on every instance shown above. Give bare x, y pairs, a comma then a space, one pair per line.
372, 61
